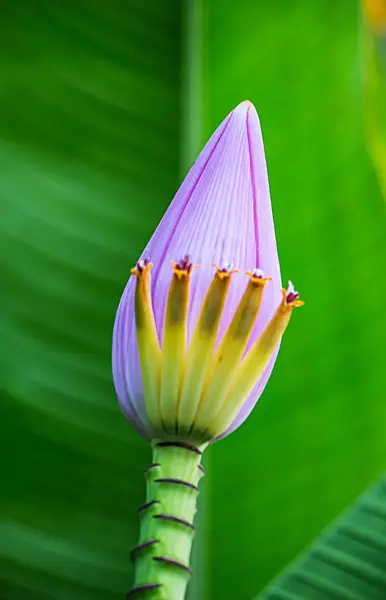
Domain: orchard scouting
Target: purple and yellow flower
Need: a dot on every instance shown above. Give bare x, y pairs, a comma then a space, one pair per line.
199, 324
196, 336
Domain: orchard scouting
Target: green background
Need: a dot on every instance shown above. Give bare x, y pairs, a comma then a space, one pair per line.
103, 107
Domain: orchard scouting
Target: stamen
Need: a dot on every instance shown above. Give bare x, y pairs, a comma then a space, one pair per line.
174, 341
230, 350
202, 346
292, 295
225, 270
224, 266
141, 266
257, 273
197, 396
148, 344
254, 363
183, 267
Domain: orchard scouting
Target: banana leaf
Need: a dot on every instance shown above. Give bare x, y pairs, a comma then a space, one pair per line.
348, 561
103, 107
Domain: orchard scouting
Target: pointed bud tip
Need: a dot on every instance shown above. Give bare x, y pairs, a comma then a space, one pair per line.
245, 104
244, 108
244, 117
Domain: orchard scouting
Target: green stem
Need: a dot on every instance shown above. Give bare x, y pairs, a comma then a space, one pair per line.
162, 556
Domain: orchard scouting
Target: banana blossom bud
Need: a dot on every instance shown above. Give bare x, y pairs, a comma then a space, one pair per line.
196, 336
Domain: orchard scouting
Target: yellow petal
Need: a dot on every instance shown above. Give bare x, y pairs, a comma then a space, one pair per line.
230, 352
150, 355
252, 367
201, 348
173, 346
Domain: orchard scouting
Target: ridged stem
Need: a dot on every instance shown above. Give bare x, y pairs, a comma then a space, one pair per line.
162, 556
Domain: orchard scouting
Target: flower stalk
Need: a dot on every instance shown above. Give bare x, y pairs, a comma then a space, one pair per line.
162, 556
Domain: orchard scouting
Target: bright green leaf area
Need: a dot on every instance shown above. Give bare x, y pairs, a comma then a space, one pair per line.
92, 98
348, 562
374, 43
317, 437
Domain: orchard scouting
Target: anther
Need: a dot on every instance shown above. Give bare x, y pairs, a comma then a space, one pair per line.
258, 273
227, 267
183, 267
257, 277
224, 270
292, 295
142, 266
185, 264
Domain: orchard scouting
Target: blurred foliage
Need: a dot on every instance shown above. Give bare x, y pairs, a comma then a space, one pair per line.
89, 145
347, 563
91, 101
